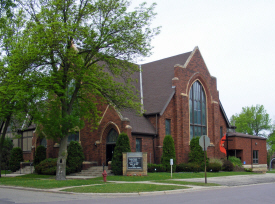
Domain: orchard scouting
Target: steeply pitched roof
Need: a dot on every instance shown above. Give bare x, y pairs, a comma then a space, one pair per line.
138, 123
157, 82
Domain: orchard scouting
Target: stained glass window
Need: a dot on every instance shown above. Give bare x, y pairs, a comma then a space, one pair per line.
112, 137
197, 110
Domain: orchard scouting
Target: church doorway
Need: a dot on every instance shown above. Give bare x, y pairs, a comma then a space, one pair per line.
110, 144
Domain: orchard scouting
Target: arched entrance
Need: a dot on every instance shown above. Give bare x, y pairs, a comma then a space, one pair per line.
110, 144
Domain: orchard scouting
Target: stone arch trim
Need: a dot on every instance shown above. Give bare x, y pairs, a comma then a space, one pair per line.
198, 77
109, 124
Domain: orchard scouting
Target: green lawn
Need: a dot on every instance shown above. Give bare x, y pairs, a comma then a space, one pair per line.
123, 188
164, 176
49, 182
188, 183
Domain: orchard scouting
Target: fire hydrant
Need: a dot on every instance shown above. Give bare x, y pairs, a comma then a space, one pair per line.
104, 174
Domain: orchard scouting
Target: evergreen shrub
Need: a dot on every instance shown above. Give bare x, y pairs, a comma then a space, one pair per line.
40, 155
196, 154
122, 145
75, 158
213, 167
6, 153
16, 158
155, 168
46, 167
188, 167
227, 166
168, 153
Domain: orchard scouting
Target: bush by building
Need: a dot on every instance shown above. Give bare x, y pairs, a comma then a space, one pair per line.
168, 153
6, 153
235, 161
46, 167
196, 154
40, 155
188, 167
122, 145
75, 157
213, 167
227, 166
156, 168
16, 158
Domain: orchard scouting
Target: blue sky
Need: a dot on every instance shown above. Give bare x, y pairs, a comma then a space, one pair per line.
236, 39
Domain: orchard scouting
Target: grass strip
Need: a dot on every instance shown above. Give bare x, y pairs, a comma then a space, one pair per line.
165, 176
188, 183
44, 182
123, 188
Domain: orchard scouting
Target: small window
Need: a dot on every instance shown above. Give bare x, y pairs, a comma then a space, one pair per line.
255, 156
221, 132
138, 145
167, 127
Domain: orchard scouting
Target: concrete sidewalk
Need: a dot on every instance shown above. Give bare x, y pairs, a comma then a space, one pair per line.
237, 180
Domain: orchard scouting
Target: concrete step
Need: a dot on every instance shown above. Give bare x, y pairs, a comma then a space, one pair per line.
25, 170
95, 171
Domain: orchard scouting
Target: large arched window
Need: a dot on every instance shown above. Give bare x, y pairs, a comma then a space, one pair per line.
197, 110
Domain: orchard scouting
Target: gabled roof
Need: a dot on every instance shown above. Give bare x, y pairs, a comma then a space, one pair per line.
157, 82
139, 124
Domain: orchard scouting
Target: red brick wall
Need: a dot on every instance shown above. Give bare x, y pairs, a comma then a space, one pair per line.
178, 109
243, 143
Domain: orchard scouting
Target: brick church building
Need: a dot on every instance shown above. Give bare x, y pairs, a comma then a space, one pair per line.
180, 98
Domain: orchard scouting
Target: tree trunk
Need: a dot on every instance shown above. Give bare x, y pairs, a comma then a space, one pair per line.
61, 161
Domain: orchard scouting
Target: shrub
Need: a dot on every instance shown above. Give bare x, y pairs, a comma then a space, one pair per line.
40, 155
216, 161
16, 158
235, 161
6, 152
122, 145
47, 167
188, 167
168, 153
75, 157
248, 169
196, 154
227, 165
156, 168
213, 167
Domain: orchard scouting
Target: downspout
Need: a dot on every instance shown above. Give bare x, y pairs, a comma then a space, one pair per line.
155, 137
251, 156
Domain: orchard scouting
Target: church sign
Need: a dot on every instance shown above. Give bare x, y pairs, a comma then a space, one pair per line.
134, 160
134, 163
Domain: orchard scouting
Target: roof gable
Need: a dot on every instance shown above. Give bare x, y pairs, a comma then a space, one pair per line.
157, 82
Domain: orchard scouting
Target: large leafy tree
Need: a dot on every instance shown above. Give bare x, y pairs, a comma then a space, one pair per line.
85, 47
252, 120
17, 76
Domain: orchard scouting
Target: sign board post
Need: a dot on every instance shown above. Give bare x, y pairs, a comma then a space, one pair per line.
171, 163
204, 143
